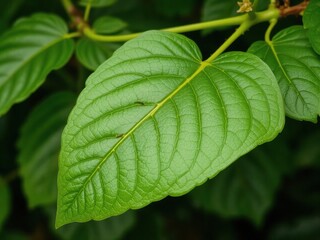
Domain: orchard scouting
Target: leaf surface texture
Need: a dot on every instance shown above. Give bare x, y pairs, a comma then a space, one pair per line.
311, 22
297, 69
91, 53
28, 52
155, 120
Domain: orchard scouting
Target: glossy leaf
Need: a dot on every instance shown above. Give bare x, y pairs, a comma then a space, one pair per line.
5, 202
154, 120
39, 147
311, 21
91, 53
98, 3
28, 52
108, 25
247, 188
297, 69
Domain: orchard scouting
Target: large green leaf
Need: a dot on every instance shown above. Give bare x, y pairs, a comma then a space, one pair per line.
91, 53
98, 3
28, 52
154, 120
297, 69
39, 146
5, 203
311, 21
247, 187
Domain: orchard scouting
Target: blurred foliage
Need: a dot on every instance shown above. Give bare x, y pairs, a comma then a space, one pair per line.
272, 193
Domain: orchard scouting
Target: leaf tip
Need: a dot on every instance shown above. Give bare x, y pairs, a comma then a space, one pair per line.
61, 218
59, 222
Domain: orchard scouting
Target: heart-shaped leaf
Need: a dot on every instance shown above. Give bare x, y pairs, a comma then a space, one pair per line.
39, 146
297, 69
311, 21
28, 52
155, 120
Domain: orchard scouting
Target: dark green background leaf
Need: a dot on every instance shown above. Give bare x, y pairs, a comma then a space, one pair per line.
154, 120
217, 9
13, 235
5, 202
308, 154
174, 8
98, 3
307, 228
91, 53
247, 187
110, 229
311, 21
297, 69
108, 25
28, 52
7, 12
39, 147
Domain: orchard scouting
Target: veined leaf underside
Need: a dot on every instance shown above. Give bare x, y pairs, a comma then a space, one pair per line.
189, 130
296, 67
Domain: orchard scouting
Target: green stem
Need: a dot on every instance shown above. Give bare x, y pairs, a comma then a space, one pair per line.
270, 14
186, 28
67, 4
87, 31
87, 11
72, 35
273, 22
258, 17
232, 21
240, 30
